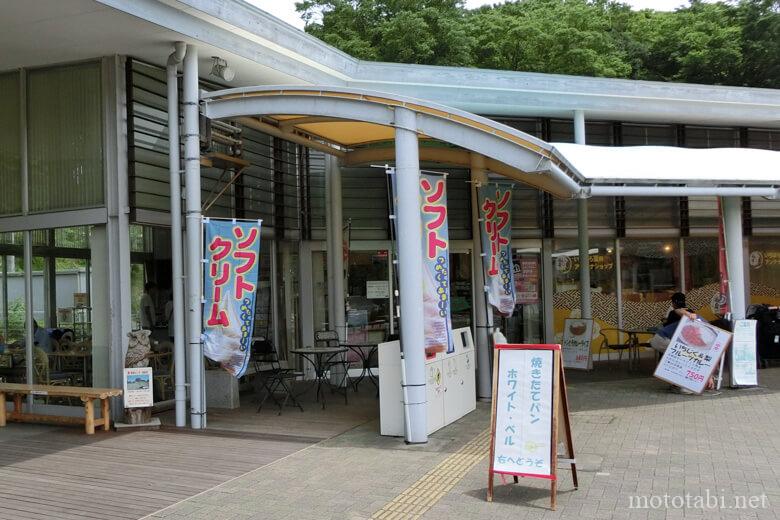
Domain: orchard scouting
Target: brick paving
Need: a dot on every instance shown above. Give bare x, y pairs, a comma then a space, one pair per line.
632, 438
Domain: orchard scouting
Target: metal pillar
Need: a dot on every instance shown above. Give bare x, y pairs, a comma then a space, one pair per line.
177, 275
481, 309
582, 228
548, 293
336, 236
735, 260
329, 249
410, 271
194, 250
336, 233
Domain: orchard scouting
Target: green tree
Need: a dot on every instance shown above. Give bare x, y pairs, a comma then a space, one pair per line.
734, 42
400, 31
556, 36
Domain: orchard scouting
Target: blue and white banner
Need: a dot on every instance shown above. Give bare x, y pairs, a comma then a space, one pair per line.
231, 268
436, 264
495, 212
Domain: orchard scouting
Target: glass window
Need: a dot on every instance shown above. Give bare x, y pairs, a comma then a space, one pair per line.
10, 161
764, 261
65, 138
526, 324
566, 290
702, 276
368, 296
650, 273
460, 290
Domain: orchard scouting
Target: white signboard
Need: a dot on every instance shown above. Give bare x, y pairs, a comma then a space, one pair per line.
577, 334
377, 289
692, 354
523, 434
138, 387
743, 354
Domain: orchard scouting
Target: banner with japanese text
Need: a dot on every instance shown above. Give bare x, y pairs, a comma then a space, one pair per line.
495, 211
436, 264
231, 266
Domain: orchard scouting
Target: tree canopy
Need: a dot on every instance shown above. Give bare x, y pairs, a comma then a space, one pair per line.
733, 42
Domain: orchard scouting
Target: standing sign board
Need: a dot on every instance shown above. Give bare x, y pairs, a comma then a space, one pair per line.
137, 385
743, 354
692, 355
577, 334
231, 268
529, 408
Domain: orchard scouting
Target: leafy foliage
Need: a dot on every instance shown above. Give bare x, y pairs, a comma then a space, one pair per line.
729, 42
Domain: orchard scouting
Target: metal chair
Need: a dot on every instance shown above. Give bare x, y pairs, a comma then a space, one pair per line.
272, 378
623, 341
330, 338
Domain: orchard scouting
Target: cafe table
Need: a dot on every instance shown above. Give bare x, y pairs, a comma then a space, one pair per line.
321, 359
637, 342
364, 351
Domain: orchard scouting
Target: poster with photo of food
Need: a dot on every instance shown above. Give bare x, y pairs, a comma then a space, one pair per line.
577, 335
693, 354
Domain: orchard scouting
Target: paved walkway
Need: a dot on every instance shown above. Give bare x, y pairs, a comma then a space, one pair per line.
637, 445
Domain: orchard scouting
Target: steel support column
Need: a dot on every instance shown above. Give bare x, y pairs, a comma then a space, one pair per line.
410, 273
735, 260
582, 228
336, 242
194, 249
481, 309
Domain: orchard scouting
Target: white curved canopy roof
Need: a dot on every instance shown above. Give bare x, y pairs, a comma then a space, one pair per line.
673, 164
357, 125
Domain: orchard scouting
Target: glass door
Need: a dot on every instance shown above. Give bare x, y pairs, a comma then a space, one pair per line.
526, 325
369, 290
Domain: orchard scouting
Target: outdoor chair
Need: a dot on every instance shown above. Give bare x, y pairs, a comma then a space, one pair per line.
616, 340
330, 338
270, 378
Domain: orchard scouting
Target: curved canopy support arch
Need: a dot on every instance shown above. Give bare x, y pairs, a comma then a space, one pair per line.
344, 117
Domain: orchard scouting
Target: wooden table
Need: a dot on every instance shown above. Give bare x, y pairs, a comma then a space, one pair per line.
86, 394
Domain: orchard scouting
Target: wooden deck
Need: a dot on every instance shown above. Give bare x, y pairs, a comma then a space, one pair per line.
52, 472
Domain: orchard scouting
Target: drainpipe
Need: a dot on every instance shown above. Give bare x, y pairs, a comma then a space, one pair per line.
174, 167
194, 250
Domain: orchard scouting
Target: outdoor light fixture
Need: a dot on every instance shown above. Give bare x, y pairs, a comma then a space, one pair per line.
220, 69
667, 248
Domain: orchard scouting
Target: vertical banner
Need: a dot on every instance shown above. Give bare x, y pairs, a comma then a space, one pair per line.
495, 211
436, 264
231, 265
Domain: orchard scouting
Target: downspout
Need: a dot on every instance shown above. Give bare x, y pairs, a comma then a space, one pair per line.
174, 166
194, 232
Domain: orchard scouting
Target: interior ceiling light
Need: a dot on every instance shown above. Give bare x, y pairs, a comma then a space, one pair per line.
221, 70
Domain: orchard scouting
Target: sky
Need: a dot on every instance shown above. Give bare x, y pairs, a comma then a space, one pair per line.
285, 9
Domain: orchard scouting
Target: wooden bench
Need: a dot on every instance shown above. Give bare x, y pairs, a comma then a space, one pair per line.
86, 394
